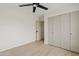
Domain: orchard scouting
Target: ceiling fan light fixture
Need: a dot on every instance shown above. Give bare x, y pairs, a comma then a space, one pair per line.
34, 5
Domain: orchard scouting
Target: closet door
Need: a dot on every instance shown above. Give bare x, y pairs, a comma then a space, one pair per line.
65, 31
57, 31
75, 31
51, 30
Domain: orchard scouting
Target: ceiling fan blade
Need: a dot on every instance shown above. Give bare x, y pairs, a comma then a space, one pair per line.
25, 5
34, 8
40, 6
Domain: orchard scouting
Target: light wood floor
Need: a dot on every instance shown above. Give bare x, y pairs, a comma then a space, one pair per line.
38, 49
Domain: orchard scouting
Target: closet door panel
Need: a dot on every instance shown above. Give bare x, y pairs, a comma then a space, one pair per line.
51, 30
75, 31
65, 30
57, 31
54, 31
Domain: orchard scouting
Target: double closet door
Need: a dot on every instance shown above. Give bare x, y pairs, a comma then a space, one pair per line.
59, 31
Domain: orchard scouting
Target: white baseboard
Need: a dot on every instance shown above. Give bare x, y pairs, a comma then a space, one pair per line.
20, 44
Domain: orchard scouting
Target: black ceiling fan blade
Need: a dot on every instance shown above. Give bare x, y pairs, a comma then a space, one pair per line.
25, 5
34, 8
40, 6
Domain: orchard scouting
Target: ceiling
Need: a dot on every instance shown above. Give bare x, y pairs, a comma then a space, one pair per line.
54, 6
51, 7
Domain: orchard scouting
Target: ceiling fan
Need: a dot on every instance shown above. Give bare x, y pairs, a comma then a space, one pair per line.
34, 6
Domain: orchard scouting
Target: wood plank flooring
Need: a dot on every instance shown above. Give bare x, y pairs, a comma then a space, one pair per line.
37, 49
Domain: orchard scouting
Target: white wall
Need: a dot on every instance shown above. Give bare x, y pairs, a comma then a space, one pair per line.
60, 11
45, 28
16, 26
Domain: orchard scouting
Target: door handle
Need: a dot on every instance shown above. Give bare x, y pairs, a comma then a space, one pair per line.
70, 33
36, 31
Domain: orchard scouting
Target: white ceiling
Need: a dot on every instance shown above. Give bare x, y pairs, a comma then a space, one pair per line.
50, 6
54, 7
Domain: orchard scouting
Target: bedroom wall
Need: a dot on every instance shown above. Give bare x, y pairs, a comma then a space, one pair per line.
17, 26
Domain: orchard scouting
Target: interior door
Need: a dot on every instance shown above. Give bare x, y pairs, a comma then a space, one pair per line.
75, 31
65, 31
57, 31
38, 30
51, 30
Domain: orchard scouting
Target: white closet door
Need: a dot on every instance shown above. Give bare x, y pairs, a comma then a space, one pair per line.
65, 31
57, 31
51, 30
75, 31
